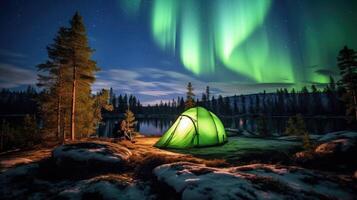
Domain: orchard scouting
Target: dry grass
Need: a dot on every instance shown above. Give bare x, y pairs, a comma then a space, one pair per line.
143, 160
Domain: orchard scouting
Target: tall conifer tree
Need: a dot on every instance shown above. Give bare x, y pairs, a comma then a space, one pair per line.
190, 102
347, 62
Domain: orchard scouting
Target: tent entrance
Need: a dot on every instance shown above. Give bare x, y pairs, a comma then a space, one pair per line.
185, 127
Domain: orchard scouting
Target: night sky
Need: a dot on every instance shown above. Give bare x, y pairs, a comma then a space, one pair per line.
152, 48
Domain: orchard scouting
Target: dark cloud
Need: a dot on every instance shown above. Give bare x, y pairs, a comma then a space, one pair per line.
327, 72
152, 85
11, 54
13, 76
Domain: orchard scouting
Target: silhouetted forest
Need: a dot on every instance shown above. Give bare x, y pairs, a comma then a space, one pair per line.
18, 102
309, 102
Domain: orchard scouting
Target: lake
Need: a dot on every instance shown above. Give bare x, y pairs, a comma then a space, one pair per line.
109, 127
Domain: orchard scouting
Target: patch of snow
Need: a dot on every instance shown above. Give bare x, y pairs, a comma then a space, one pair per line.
303, 180
15, 177
23, 183
18, 171
338, 135
107, 190
257, 181
97, 152
290, 138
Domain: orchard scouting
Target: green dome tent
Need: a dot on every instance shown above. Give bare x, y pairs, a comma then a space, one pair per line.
196, 127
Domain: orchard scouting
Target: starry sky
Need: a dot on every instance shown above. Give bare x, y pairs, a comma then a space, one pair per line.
152, 48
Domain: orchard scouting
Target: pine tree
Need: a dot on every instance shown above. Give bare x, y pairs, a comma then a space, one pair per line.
83, 69
128, 124
67, 82
220, 105
208, 95
101, 102
243, 104
293, 103
257, 104
190, 102
262, 126
347, 63
214, 104
316, 100
235, 106
304, 100
332, 100
251, 105
52, 78
332, 84
296, 126
204, 100
30, 130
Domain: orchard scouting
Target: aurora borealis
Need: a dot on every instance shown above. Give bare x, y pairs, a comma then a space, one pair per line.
265, 40
151, 48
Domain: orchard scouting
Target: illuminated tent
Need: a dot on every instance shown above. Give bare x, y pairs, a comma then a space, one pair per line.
196, 127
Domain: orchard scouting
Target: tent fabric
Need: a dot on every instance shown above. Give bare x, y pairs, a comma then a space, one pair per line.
196, 127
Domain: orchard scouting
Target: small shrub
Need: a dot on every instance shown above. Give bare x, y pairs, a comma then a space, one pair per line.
296, 126
262, 126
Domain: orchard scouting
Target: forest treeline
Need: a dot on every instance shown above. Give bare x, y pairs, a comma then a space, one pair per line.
283, 102
307, 101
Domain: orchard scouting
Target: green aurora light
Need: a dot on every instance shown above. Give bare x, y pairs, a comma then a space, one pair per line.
250, 39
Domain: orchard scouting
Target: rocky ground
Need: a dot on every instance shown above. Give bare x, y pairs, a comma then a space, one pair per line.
244, 168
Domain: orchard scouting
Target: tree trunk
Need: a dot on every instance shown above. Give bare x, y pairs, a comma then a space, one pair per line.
63, 128
355, 103
59, 103
2, 135
58, 117
73, 102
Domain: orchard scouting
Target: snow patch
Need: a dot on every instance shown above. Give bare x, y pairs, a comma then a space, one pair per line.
257, 181
338, 135
107, 189
90, 151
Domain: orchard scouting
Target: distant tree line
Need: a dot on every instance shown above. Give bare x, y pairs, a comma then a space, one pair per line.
18, 102
306, 101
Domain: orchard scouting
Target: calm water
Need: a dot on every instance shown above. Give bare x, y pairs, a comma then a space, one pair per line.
275, 125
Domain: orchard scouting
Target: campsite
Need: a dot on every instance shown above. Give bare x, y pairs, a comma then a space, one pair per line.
112, 169
178, 99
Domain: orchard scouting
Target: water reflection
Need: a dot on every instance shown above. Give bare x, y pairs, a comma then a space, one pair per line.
275, 125
278, 124
145, 126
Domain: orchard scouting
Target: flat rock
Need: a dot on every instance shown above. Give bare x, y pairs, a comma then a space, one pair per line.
257, 181
107, 187
24, 182
90, 155
336, 146
333, 154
